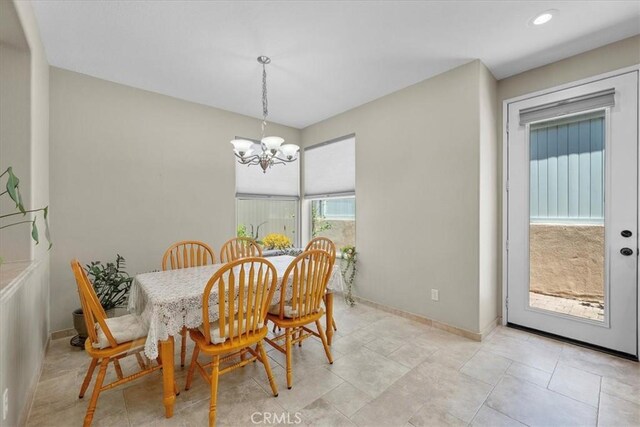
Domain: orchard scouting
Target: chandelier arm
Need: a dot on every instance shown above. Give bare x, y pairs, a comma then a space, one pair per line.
285, 160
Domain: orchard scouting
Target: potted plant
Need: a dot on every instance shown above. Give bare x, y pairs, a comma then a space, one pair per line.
276, 244
111, 283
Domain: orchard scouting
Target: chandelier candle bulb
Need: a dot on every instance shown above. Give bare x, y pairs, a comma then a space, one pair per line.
272, 143
289, 150
242, 147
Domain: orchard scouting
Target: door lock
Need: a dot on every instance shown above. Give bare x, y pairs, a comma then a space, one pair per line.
626, 233
626, 251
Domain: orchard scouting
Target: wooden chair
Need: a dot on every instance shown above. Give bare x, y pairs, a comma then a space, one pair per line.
309, 274
185, 254
239, 247
324, 244
110, 339
188, 253
245, 288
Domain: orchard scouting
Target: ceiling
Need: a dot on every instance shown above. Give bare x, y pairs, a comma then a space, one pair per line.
328, 56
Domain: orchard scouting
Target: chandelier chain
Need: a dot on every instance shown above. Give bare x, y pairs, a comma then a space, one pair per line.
265, 103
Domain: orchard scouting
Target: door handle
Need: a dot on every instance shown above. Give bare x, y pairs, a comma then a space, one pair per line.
626, 251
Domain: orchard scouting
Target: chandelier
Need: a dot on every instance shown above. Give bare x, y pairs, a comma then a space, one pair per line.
272, 150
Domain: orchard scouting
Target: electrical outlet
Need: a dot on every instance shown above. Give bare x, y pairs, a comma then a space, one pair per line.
5, 403
434, 294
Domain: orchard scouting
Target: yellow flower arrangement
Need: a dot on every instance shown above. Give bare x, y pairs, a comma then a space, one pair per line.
276, 241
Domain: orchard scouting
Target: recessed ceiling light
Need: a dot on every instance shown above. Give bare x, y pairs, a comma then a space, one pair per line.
542, 18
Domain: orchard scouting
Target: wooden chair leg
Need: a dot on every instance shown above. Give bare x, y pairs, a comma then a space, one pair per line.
192, 367
96, 392
183, 346
116, 365
287, 332
87, 378
323, 337
214, 390
267, 368
333, 321
141, 361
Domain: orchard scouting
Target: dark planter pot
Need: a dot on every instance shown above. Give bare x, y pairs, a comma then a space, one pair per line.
81, 327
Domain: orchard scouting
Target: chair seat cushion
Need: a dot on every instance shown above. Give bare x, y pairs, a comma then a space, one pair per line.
289, 311
124, 328
214, 330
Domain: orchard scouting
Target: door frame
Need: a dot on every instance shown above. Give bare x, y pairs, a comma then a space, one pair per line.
505, 177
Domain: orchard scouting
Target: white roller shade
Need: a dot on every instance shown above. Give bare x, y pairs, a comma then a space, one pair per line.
280, 180
591, 101
330, 169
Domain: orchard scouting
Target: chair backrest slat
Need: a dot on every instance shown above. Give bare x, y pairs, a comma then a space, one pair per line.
188, 253
91, 307
322, 243
309, 274
239, 247
245, 288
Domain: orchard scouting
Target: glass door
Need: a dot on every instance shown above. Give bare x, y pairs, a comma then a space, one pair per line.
572, 213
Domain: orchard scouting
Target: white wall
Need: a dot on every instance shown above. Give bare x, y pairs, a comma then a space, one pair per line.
418, 194
134, 171
24, 304
489, 188
15, 144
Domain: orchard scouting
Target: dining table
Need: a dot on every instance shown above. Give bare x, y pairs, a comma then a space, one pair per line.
168, 301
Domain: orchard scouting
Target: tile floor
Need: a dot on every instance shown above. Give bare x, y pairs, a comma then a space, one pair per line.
573, 307
388, 371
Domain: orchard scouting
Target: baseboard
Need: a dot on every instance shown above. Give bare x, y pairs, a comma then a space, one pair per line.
430, 322
63, 333
490, 327
26, 410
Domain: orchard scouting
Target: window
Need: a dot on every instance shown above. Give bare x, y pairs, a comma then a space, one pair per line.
258, 217
330, 190
268, 202
334, 218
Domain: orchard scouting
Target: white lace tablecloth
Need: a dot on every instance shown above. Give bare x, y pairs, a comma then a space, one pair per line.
169, 300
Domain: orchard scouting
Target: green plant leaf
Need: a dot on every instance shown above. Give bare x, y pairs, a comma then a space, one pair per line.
34, 231
12, 185
47, 233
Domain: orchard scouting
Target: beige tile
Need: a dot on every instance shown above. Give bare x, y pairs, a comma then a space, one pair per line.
601, 364
418, 383
368, 371
413, 353
616, 412
322, 413
308, 386
445, 388
346, 398
434, 415
487, 367
391, 408
536, 406
622, 390
488, 417
385, 346
576, 383
525, 352
110, 411
533, 375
